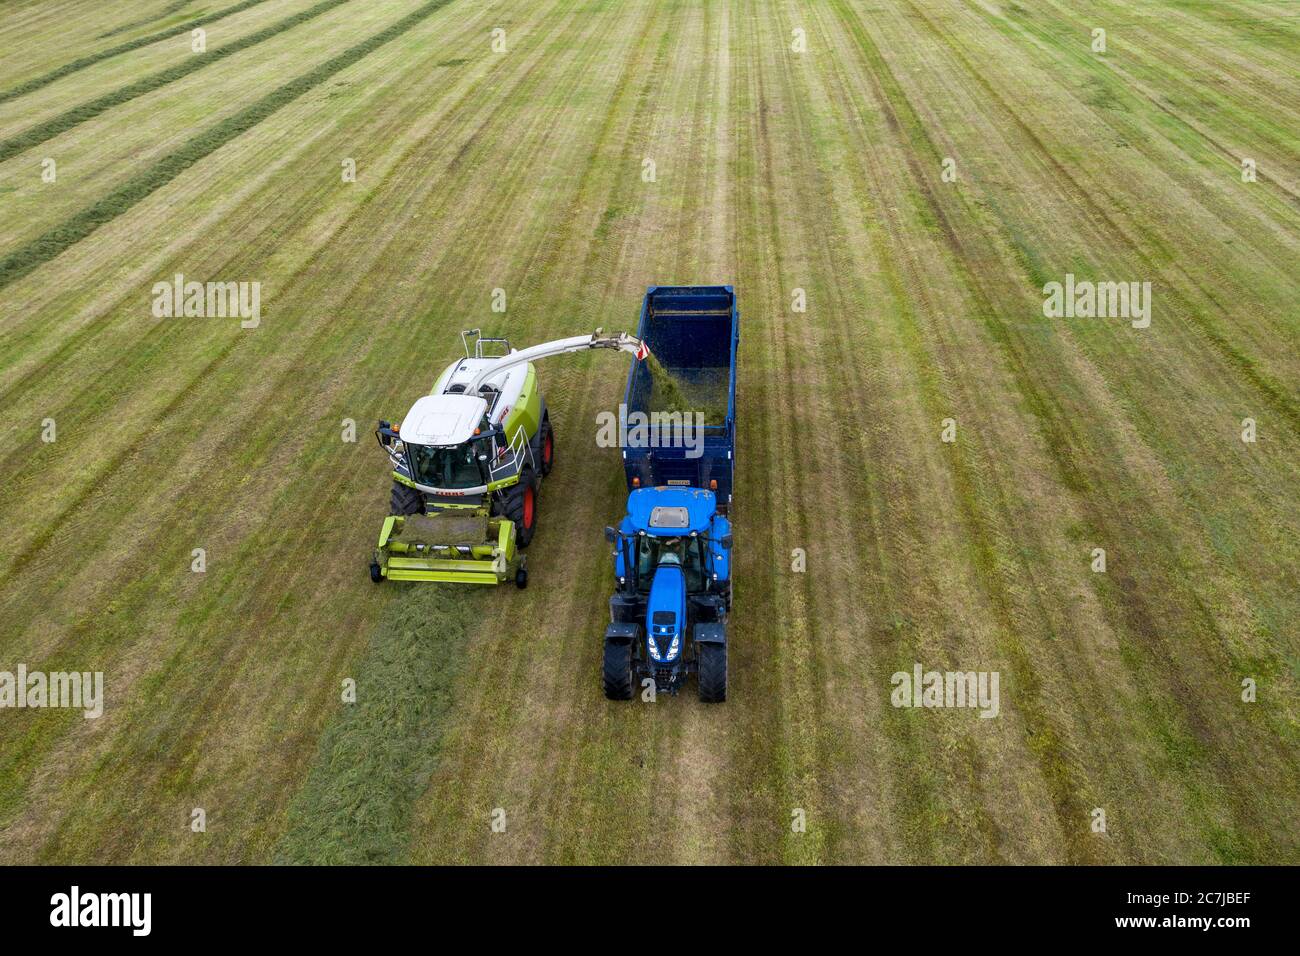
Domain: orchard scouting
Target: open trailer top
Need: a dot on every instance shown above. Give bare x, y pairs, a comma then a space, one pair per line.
693, 332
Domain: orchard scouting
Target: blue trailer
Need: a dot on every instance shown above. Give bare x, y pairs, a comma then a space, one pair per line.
672, 550
694, 332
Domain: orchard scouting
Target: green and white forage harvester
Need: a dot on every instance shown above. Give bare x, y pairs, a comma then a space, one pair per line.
672, 550
468, 461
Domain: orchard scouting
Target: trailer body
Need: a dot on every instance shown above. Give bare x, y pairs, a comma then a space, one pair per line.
694, 333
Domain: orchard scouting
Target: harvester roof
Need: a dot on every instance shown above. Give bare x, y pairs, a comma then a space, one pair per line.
442, 420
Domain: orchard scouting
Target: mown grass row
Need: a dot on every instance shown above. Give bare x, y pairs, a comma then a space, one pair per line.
377, 757
174, 7
193, 62
45, 79
42, 249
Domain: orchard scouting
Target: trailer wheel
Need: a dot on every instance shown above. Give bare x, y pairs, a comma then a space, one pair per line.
618, 671
548, 447
521, 507
405, 501
713, 672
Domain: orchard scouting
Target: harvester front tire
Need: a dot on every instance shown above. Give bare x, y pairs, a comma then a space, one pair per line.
376, 573
405, 501
618, 671
521, 507
713, 673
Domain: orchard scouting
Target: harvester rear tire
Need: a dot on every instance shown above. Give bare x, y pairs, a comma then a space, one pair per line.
618, 671
712, 672
547, 457
521, 507
405, 501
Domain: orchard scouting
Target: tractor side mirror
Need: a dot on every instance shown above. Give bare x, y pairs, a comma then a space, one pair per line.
611, 535
726, 542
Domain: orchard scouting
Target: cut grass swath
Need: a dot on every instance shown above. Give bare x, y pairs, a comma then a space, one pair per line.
174, 7
81, 63
44, 248
42, 132
376, 758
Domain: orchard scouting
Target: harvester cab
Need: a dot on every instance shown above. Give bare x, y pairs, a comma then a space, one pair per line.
468, 462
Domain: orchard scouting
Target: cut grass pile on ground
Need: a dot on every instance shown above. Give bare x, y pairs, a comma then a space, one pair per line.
376, 758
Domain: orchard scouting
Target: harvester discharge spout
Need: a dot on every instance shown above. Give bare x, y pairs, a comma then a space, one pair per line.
578, 343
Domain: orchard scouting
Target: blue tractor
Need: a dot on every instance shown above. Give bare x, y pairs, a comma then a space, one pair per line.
669, 614
672, 550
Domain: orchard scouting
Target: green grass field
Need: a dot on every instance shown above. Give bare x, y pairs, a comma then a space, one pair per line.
776, 170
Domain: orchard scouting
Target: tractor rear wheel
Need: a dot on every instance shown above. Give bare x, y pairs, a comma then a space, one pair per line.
712, 672
618, 671
548, 448
521, 507
405, 501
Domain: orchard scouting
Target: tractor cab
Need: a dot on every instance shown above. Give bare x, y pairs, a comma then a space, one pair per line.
673, 526
686, 554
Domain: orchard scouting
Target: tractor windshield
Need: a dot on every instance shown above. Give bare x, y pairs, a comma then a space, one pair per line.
454, 467
686, 553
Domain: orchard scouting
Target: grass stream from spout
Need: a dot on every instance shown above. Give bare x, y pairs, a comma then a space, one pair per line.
705, 392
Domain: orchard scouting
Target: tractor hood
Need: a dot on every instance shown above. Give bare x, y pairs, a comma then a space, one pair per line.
442, 420
670, 512
666, 610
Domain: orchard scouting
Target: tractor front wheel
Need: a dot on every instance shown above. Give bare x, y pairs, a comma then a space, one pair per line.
712, 672
618, 671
